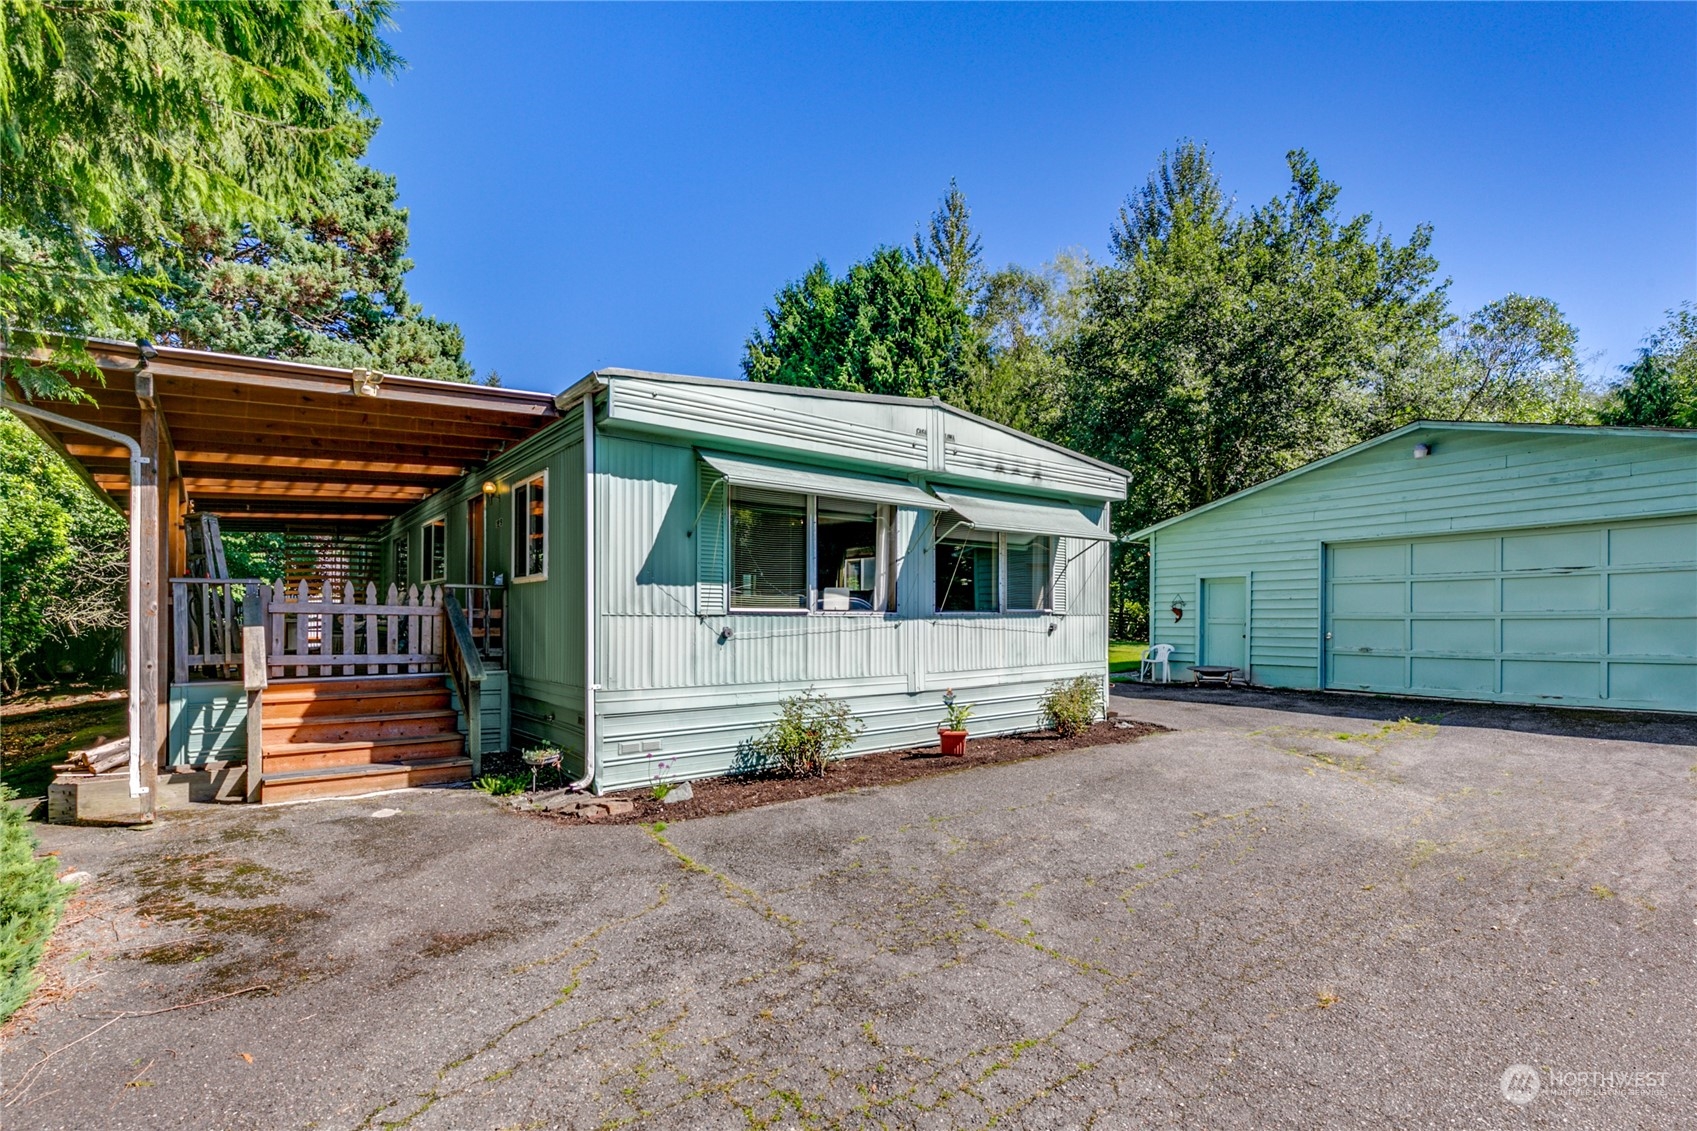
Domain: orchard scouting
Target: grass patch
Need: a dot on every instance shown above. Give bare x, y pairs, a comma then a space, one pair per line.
1124, 656
31, 898
30, 744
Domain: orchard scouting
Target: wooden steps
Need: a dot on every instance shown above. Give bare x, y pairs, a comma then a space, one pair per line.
351, 781
339, 737
356, 728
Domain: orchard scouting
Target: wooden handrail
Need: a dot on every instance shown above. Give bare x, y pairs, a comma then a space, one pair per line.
468, 671
485, 609
206, 623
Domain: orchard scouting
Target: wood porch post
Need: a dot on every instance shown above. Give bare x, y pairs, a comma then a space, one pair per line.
152, 721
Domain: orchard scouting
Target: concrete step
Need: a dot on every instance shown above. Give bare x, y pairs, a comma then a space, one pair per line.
351, 781
289, 757
441, 721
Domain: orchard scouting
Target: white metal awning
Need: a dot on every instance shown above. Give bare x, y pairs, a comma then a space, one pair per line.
1025, 516
749, 471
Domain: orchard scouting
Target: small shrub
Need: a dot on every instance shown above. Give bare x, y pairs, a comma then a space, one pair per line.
501, 785
812, 731
1071, 705
31, 897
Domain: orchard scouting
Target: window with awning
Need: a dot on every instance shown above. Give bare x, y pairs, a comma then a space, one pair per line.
1008, 515
776, 475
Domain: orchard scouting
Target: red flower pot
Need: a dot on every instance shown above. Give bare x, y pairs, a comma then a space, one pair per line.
954, 742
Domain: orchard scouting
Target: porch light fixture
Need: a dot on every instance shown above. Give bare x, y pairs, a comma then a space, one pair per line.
1421, 451
488, 486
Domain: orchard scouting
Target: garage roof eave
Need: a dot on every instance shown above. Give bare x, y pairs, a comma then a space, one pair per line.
1410, 429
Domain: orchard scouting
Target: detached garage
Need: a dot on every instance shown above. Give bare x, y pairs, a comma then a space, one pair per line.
1512, 563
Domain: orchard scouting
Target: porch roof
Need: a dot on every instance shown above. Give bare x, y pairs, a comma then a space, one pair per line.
269, 443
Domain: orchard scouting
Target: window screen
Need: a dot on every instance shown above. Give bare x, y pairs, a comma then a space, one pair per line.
966, 574
1029, 557
530, 528
768, 550
846, 555
403, 560
436, 550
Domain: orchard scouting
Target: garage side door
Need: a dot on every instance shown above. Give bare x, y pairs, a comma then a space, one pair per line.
1588, 615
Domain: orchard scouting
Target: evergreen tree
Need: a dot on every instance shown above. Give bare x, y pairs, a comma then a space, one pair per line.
121, 120
891, 325
326, 285
949, 244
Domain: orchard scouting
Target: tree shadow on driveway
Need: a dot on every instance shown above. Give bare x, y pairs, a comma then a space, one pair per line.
1566, 722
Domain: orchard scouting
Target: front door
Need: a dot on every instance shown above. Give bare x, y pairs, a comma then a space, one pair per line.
474, 540
1224, 624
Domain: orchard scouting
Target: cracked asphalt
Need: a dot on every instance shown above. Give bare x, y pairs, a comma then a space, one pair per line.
1291, 911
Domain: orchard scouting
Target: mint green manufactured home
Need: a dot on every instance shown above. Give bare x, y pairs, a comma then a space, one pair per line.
1509, 563
676, 555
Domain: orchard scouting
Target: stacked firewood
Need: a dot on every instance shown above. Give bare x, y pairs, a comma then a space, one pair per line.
100, 758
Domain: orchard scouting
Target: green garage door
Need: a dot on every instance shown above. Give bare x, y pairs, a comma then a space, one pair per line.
1588, 615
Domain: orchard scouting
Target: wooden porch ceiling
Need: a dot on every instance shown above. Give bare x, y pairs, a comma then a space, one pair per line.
261, 442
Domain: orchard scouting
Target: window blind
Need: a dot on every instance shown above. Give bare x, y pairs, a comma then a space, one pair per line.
1028, 572
768, 550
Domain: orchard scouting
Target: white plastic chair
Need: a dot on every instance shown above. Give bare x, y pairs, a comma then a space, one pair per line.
1158, 655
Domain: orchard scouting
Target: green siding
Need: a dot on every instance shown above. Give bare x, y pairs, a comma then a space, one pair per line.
1537, 499
665, 681
545, 685
208, 721
492, 708
667, 678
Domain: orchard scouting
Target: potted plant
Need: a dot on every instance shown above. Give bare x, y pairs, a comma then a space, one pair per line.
951, 733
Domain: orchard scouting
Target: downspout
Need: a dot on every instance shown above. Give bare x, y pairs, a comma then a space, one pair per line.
591, 749
134, 635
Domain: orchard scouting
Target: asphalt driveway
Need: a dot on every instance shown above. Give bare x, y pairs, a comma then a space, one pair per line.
1287, 912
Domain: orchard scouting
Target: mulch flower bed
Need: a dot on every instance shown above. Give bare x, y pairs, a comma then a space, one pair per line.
713, 796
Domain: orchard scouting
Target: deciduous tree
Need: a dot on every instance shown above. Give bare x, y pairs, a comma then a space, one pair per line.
1221, 348
1659, 388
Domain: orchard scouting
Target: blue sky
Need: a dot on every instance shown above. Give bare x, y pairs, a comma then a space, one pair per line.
629, 185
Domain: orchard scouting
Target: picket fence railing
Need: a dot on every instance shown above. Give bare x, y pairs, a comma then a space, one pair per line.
356, 634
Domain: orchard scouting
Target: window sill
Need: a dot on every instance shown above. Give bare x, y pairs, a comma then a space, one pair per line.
528, 578
1011, 614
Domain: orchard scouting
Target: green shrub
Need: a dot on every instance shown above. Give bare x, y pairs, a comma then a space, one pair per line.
1071, 705
31, 898
812, 731
500, 785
